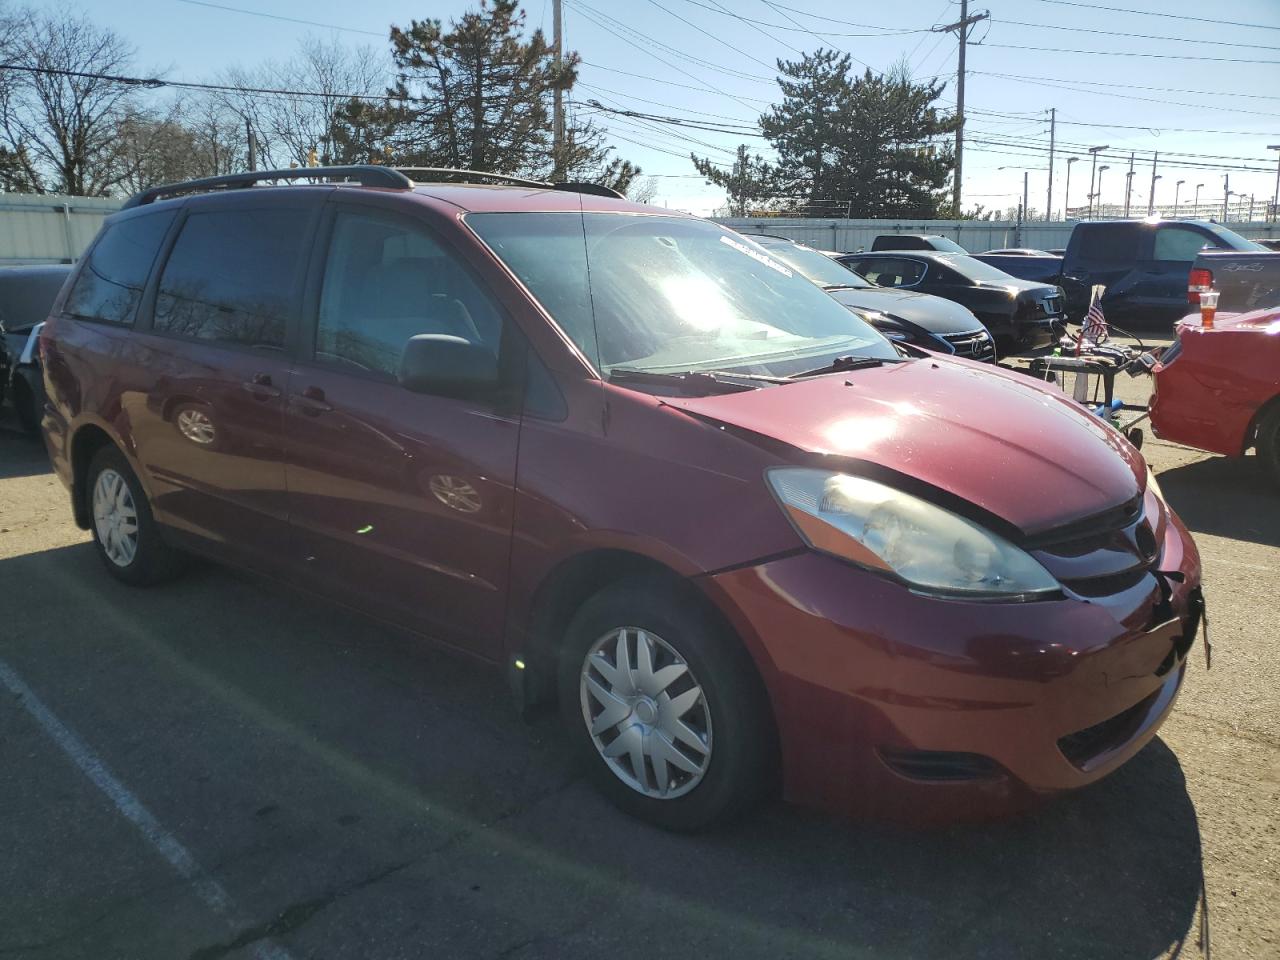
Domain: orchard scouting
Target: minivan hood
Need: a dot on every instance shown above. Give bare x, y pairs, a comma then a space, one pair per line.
934, 314
1019, 450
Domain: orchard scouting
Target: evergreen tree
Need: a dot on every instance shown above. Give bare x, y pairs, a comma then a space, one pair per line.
866, 146
477, 95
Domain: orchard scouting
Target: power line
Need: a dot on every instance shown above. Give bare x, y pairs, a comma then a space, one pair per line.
1126, 53
1138, 36
659, 103
889, 31
273, 16
1163, 15
671, 83
706, 33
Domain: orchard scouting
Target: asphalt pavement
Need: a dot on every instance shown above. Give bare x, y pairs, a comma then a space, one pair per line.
225, 768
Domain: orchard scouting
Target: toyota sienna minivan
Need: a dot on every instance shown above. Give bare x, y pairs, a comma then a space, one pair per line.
642, 465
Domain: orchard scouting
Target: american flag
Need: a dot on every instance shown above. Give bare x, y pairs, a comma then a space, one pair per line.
1095, 328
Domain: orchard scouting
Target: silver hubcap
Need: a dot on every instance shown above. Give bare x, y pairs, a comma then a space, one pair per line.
115, 518
646, 713
195, 426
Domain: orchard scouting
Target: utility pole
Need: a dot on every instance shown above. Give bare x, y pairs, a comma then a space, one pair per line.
1053, 126
1226, 194
1066, 197
1275, 200
252, 142
742, 179
1026, 210
1151, 198
557, 143
1128, 184
961, 29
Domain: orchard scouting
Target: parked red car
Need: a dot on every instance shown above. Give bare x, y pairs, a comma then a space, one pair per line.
643, 465
1219, 388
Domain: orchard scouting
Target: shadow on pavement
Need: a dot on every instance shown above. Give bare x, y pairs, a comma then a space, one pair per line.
428, 740
1225, 497
20, 455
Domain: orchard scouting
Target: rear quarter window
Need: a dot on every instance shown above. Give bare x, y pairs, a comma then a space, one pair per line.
109, 285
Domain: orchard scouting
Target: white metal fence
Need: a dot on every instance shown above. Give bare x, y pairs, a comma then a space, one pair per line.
975, 236
49, 228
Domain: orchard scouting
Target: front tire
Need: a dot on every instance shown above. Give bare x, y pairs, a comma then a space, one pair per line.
125, 532
664, 706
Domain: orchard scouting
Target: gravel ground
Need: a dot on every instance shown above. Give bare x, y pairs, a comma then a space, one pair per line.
222, 768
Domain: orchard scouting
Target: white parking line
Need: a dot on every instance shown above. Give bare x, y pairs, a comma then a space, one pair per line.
210, 892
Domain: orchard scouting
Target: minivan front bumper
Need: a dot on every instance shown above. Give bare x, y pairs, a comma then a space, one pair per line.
907, 707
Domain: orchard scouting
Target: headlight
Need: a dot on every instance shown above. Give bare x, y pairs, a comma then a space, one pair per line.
932, 549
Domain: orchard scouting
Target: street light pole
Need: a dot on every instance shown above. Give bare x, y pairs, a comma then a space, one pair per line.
1093, 167
1151, 200
1101, 170
1177, 189
1226, 194
1066, 199
1195, 214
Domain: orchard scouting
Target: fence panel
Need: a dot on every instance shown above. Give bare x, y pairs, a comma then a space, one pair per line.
49, 228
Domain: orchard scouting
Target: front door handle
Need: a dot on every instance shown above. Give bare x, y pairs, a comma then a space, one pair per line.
260, 387
311, 401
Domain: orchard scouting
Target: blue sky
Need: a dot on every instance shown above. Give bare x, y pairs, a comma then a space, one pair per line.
1197, 113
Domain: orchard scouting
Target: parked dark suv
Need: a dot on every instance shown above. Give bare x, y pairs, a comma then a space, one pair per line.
646, 467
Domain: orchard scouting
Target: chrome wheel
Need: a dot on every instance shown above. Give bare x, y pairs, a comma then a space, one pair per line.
646, 713
455, 493
196, 426
115, 518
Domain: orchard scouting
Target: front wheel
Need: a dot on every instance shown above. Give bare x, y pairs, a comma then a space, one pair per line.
124, 531
664, 706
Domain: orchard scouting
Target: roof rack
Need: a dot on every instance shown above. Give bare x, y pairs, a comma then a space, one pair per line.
573, 186
368, 175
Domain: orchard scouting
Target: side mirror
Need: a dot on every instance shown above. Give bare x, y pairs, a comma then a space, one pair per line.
448, 366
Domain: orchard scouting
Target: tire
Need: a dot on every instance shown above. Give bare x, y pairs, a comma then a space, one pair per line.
24, 404
130, 547
1269, 443
724, 706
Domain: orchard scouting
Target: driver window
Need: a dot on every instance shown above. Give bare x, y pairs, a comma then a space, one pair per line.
891, 271
387, 279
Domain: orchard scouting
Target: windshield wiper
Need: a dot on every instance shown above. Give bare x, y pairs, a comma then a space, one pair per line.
841, 364
694, 381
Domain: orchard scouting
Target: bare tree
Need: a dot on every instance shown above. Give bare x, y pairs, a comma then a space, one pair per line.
58, 114
643, 190
324, 74
189, 139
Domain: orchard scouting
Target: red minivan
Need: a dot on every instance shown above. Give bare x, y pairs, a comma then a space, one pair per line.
642, 465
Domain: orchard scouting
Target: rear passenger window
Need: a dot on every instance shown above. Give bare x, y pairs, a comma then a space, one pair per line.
387, 279
890, 271
1109, 242
110, 283
232, 275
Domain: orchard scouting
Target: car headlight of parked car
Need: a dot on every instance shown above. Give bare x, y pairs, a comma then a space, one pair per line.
933, 550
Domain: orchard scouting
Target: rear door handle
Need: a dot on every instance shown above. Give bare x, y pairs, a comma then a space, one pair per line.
260, 387
311, 401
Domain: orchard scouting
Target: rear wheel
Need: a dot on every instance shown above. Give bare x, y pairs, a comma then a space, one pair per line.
24, 404
1269, 442
664, 706
124, 530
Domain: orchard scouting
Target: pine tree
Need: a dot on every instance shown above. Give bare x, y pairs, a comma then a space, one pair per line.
869, 146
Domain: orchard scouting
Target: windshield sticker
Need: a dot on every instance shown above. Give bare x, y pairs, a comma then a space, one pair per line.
757, 256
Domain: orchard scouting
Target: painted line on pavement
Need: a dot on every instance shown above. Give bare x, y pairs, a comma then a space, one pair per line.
210, 892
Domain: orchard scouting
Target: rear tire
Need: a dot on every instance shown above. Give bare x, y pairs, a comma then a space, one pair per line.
690, 708
1269, 443
125, 532
24, 404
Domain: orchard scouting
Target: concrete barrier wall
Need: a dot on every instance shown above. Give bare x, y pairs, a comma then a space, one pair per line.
976, 236
49, 228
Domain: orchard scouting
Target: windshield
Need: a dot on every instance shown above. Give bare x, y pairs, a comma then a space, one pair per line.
667, 294
977, 270
816, 266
